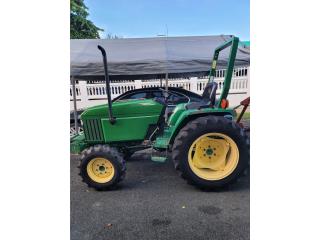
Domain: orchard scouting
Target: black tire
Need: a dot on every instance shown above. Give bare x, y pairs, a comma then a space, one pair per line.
102, 151
196, 128
127, 155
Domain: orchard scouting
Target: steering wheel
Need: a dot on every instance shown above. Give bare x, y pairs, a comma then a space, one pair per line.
173, 93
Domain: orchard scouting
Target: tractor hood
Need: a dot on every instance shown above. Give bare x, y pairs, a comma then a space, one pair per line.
125, 108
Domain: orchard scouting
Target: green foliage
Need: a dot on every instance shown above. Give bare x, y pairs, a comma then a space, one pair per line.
80, 26
246, 116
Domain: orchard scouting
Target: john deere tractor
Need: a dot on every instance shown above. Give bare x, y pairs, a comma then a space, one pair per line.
207, 146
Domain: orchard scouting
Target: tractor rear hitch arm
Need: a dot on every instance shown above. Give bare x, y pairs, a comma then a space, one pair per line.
245, 103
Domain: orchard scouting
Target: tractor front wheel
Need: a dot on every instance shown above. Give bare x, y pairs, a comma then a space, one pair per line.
102, 167
211, 152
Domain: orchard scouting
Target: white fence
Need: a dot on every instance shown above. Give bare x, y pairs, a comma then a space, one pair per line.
90, 93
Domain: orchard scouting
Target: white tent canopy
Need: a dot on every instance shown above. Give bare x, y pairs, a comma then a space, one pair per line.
142, 57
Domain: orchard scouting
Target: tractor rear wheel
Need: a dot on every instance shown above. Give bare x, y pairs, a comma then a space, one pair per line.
102, 167
211, 152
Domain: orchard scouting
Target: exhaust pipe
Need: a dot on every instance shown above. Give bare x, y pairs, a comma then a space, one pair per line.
106, 78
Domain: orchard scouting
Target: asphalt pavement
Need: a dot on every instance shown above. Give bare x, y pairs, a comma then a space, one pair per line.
153, 202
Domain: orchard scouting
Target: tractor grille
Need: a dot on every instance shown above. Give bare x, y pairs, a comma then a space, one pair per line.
93, 130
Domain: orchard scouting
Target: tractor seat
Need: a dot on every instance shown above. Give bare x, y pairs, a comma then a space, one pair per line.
208, 97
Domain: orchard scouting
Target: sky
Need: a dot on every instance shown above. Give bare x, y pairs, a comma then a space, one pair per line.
150, 18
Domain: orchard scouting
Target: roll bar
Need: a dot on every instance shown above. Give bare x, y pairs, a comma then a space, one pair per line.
112, 119
228, 76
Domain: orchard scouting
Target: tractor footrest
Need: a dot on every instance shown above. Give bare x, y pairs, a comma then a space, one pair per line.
158, 156
158, 159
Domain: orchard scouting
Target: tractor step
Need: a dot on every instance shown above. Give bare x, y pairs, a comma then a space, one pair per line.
158, 159
158, 156
162, 141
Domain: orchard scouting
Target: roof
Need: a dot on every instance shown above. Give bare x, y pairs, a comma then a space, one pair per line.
138, 57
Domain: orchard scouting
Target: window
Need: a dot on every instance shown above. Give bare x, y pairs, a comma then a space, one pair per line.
135, 95
177, 98
157, 94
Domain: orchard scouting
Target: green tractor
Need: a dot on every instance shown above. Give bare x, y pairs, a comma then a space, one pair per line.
208, 147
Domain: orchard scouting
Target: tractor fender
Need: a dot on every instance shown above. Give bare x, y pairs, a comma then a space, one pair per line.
190, 115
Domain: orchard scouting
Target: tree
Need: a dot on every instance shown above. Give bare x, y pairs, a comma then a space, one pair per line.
80, 26
110, 36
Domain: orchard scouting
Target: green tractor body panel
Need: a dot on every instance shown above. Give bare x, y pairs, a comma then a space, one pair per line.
133, 118
78, 144
180, 113
180, 116
179, 109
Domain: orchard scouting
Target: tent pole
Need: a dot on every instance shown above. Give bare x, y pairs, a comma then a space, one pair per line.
75, 113
167, 81
166, 95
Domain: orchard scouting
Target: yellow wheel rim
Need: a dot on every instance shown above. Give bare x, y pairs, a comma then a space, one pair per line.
213, 156
100, 170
